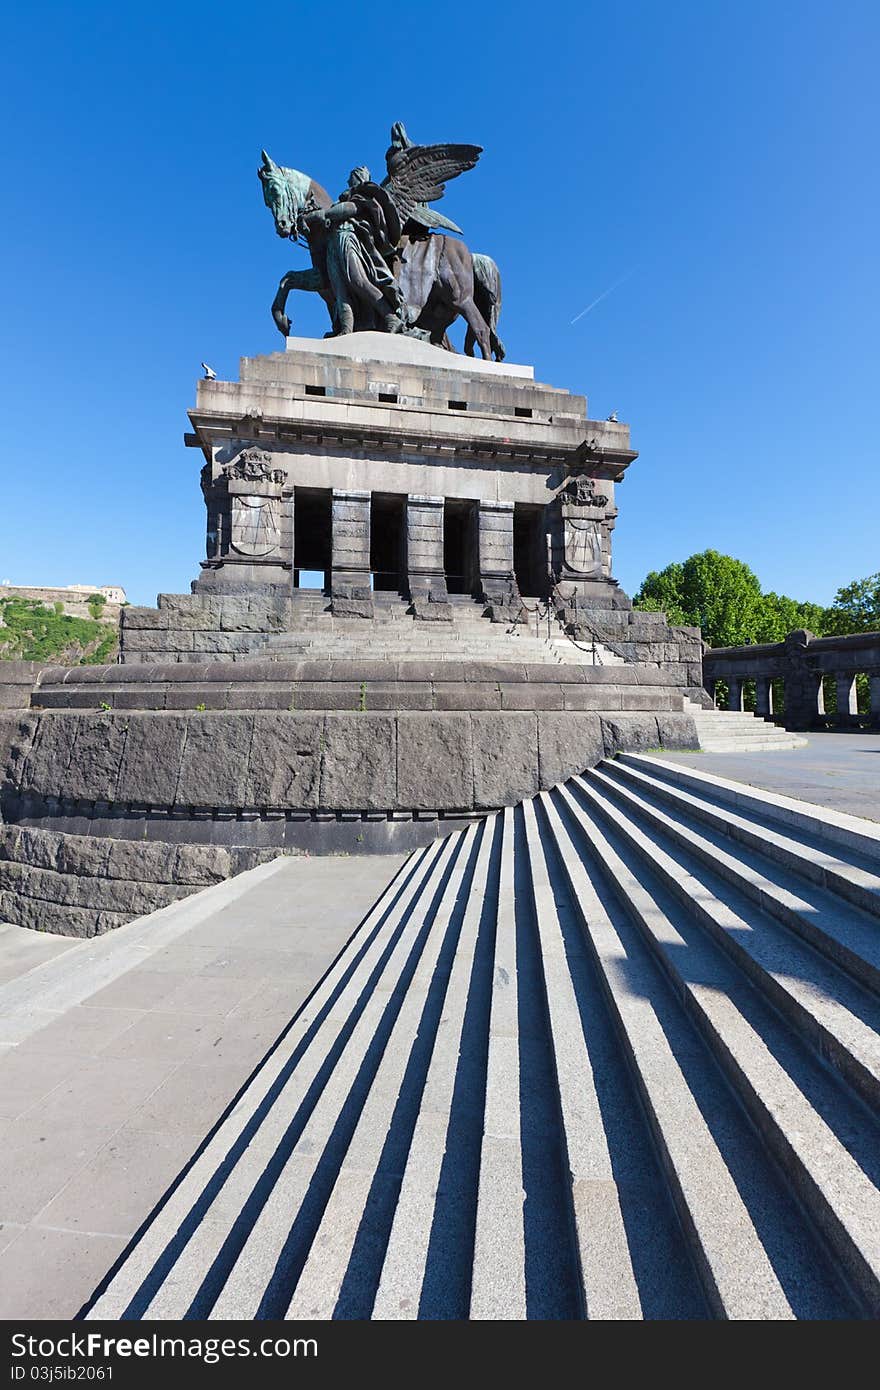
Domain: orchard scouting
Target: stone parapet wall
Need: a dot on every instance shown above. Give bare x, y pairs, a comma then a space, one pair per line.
361, 686
17, 679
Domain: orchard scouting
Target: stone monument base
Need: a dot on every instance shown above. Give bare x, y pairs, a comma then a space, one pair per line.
466, 645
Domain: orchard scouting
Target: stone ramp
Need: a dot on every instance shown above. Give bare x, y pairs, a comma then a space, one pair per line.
118, 1056
614, 1053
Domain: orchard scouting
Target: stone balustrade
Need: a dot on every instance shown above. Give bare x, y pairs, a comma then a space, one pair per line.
808, 668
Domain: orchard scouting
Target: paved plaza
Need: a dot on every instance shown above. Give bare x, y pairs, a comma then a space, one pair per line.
118, 1055
837, 770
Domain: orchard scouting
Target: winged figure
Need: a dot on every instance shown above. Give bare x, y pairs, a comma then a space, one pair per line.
418, 174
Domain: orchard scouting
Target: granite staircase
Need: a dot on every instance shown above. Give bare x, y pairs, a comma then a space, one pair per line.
315, 633
612, 1053
734, 731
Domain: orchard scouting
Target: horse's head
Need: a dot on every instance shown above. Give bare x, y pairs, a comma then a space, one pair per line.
284, 192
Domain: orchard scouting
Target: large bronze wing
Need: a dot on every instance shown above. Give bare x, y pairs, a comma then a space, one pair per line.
418, 174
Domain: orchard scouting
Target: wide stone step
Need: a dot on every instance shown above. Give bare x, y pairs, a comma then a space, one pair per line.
733, 731
776, 1081
735, 898
806, 854
729, 745
611, 1053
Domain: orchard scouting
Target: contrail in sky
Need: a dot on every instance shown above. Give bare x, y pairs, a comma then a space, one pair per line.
604, 294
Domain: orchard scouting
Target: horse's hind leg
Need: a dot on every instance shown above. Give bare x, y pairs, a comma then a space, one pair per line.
476, 325
470, 338
498, 348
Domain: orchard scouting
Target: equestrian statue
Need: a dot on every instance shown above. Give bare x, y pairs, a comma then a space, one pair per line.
382, 258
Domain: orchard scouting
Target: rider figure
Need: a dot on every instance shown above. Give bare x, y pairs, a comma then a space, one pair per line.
363, 232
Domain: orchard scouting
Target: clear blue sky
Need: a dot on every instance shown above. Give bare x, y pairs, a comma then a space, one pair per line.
721, 157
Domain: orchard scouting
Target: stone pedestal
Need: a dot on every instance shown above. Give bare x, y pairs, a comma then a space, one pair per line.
400, 419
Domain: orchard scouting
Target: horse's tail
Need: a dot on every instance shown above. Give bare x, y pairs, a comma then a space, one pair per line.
487, 297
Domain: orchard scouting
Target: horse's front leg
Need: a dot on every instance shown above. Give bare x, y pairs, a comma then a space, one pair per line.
294, 280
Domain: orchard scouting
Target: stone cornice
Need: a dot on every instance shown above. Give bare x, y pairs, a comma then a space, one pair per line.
495, 441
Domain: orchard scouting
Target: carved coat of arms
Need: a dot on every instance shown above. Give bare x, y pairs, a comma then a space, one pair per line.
582, 534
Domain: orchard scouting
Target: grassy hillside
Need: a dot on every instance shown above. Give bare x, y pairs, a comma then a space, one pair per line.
30, 631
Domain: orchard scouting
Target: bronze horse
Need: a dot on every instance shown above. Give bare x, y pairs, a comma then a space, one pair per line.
437, 276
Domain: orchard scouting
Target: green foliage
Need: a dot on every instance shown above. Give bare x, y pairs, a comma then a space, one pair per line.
856, 607
723, 596
711, 591
29, 631
95, 604
780, 615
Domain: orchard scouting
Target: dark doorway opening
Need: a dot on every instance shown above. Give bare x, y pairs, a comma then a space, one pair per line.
460, 545
312, 537
530, 550
387, 534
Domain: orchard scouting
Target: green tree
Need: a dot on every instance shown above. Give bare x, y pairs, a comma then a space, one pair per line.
779, 615
856, 608
715, 592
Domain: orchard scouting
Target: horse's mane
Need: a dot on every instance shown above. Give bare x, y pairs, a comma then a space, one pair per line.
298, 182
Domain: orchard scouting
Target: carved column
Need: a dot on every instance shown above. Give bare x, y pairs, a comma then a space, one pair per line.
804, 699
763, 697
425, 575
847, 697
735, 687
874, 705
350, 592
495, 546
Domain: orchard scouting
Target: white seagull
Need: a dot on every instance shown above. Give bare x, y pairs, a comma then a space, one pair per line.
613, 417
210, 374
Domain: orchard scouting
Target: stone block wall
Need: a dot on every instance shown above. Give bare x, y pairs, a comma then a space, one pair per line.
641, 637
200, 627
80, 885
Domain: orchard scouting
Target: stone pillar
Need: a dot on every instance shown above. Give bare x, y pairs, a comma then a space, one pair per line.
874, 705
847, 697
763, 697
350, 592
497, 579
735, 687
804, 701
425, 575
